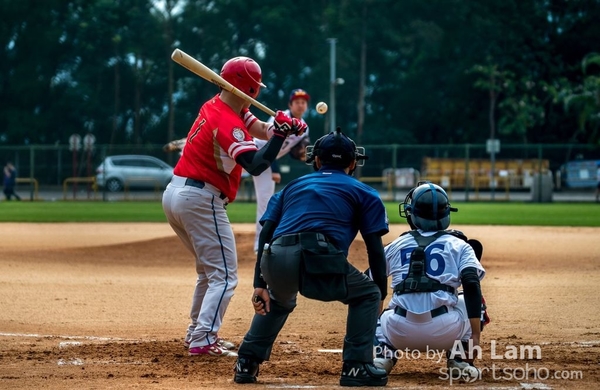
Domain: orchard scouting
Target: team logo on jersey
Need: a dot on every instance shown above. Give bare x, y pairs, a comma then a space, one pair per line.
238, 134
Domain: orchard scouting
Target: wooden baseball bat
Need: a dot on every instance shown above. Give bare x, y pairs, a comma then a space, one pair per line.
198, 68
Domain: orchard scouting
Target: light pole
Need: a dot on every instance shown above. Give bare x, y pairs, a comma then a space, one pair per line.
333, 81
332, 42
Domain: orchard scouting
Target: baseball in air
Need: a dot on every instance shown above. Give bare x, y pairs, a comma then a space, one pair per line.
321, 107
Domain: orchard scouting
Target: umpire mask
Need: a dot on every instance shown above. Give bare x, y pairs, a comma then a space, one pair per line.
336, 149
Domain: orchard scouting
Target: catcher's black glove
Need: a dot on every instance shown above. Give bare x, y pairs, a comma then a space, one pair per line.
298, 152
477, 248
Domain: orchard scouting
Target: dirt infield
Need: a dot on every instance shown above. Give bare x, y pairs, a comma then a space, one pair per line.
106, 305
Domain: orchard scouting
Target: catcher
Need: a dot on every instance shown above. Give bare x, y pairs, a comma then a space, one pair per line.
427, 265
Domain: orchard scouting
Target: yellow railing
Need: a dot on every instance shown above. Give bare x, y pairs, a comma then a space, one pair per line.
76, 180
141, 179
30, 181
388, 181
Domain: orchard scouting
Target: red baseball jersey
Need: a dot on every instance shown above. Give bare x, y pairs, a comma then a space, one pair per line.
216, 138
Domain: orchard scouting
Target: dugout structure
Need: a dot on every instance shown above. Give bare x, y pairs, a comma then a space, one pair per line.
460, 173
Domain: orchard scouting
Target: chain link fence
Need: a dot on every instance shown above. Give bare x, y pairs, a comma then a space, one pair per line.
468, 171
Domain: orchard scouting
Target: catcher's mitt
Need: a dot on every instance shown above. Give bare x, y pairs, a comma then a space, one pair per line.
298, 152
475, 244
477, 248
175, 146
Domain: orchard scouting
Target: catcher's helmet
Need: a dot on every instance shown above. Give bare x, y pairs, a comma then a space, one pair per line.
244, 74
336, 149
427, 207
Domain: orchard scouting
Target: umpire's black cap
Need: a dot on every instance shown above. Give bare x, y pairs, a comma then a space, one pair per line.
335, 148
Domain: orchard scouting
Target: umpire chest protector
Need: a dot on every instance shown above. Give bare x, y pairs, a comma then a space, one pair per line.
417, 279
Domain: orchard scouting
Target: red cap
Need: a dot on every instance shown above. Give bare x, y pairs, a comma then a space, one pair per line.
299, 94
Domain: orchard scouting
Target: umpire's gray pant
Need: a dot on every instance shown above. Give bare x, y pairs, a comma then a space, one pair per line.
281, 272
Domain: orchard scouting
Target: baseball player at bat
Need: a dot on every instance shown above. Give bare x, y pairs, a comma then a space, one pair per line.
295, 145
206, 178
308, 228
427, 265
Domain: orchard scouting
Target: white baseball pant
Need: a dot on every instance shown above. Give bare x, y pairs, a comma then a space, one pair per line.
421, 332
199, 218
264, 187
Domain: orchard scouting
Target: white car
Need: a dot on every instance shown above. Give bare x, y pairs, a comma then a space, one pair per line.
133, 171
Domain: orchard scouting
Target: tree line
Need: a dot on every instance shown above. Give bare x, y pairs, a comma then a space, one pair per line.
414, 71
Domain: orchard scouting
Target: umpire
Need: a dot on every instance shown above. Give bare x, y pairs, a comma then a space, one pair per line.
309, 226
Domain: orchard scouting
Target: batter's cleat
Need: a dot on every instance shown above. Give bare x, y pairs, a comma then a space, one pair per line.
211, 350
246, 370
362, 374
225, 344
222, 342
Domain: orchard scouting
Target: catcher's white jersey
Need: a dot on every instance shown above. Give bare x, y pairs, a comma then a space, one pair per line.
291, 141
446, 258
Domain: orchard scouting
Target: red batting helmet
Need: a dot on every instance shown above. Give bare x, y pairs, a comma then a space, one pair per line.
244, 74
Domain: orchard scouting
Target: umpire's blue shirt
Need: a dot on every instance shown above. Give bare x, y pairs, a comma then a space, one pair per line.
330, 202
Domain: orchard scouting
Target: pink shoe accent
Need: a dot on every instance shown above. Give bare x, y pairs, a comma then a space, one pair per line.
211, 350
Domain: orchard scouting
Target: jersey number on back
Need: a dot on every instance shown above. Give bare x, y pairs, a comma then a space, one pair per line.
434, 261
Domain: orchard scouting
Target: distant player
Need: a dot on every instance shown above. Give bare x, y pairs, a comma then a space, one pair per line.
427, 265
175, 145
264, 184
10, 179
206, 178
308, 227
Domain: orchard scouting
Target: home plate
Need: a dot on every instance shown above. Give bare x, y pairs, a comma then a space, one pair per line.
330, 350
65, 344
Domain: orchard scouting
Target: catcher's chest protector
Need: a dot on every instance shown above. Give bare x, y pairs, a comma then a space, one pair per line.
417, 279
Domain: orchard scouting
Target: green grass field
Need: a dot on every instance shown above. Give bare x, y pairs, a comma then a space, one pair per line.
514, 213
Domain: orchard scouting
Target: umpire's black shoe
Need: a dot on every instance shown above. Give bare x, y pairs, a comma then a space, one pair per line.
246, 370
362, 374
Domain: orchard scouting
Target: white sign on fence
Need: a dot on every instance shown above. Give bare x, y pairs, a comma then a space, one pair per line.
88, 142
492, 145
74, 142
